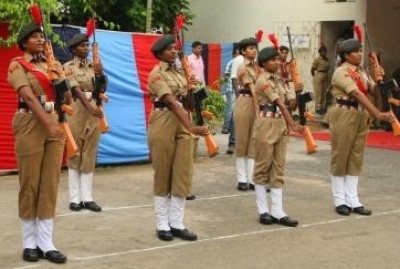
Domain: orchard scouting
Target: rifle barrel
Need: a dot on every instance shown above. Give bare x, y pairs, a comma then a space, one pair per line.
367, 36
290, 42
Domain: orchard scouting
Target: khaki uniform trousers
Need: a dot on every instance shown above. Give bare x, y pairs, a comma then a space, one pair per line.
349, 129
86, 132
270, 141
39, 159
171, 149
320, 83
243, 117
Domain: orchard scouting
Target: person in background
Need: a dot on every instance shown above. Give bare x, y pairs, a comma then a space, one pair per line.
84, 124
228, 93
196, 63
319, 71
244, 114
39, 144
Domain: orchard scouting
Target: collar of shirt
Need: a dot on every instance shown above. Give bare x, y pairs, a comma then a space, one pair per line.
248, 61
81, 62
35, 58
164, 66
269, 75
352, 67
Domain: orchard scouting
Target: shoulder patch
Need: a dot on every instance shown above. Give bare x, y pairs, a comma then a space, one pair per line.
265, 87
13, 66
155, 79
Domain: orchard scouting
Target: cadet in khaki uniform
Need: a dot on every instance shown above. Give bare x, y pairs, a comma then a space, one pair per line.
348, 121
271, 137
84, 124
39, 145
244, 114
170, 138
319, 71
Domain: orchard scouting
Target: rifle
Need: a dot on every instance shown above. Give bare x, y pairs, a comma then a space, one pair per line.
58, 88
99, 80
384, 87
195, 96
302, 100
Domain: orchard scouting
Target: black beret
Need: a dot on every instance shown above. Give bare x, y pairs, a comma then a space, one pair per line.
76, 40
26, 31
266, 54
350, 45
244, 43
162, 43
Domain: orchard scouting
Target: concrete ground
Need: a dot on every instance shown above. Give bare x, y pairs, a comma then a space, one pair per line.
226, 220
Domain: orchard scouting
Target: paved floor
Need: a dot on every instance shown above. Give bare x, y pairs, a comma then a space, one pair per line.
123, 235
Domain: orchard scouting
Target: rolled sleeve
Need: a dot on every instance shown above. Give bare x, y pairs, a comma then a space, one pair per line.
157, 86
342, 80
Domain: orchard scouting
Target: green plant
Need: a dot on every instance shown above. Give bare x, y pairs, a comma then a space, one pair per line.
215, 104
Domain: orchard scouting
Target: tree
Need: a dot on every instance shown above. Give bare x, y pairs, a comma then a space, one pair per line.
124, 15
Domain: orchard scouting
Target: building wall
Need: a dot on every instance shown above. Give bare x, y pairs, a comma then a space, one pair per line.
232, 20
383, 20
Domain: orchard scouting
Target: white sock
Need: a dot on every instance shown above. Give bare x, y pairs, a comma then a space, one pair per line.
74, 185
241, 169
161, 207
338, 190
261, 199
45, 234
351, 192
29, 233
276, 207
250, 170
176, 212
86, 186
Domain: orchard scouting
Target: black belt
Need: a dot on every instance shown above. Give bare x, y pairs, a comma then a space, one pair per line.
245, 92
268, 108
159, 104
347, 102
322, 71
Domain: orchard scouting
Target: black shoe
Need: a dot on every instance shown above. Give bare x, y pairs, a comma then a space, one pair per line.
164, 235
30, 255
286, 221
52, 255
184, 234
225, 131
251, 187
230, 150
266, 219
191, 197
75, 206
92, 206
362, 211
242, 186
343, 210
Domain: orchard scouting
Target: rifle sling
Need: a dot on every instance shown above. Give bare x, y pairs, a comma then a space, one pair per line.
44, 81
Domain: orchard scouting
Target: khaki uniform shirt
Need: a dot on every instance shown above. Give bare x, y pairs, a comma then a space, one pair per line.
321, 65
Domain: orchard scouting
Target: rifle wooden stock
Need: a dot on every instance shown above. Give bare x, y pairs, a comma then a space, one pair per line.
207, 114
294, 70
72, 148
104, 97
67, 109
212, 146
48, 51
310, 142
395, 125
96, 56
394, 101
309, 116
104, 127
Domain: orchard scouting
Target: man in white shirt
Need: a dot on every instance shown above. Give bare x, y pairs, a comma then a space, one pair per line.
196, 62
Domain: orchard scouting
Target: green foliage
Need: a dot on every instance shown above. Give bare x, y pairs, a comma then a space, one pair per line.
124, 15
215, 104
